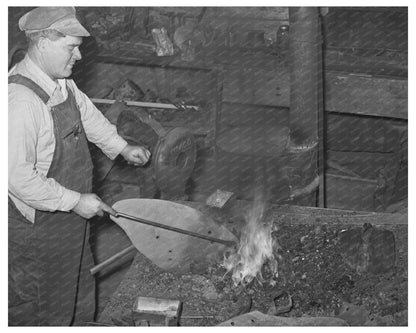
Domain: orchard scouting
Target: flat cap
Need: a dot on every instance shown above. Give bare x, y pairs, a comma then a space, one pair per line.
62, 19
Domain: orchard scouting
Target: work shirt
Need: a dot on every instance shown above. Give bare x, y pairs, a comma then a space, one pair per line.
32, 141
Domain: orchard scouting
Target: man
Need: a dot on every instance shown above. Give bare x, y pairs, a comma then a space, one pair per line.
50, 174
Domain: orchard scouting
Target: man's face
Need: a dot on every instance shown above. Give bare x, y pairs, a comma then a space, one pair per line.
60, 56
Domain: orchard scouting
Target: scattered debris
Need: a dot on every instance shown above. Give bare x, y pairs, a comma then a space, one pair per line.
353, 314
281, 303
257, 318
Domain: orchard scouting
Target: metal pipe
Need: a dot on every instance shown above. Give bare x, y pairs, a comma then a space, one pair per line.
146, 104
306, 98
304, 43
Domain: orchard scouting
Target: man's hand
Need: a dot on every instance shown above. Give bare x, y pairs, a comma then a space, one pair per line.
136, 155
90, 205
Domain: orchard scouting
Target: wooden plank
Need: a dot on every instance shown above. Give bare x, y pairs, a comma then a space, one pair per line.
250, 13
373, 9
366, 164
381, 219
150, 61
366, 29
344, 93
345, 192
239, 114
366, 95
377, 62
151, 78
363, 134
111, 260
257, 86
292, 214
317, 215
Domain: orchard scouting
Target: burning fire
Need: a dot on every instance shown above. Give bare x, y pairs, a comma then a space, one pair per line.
254, 250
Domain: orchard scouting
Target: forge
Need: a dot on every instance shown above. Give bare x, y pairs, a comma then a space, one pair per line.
322, 262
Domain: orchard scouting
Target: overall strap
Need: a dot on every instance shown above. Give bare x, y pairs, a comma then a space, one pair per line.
25, 81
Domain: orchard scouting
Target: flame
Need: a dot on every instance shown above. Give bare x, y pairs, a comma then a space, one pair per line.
254, 250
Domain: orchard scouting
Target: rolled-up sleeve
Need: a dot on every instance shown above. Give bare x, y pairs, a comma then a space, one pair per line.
25, 181
97, 127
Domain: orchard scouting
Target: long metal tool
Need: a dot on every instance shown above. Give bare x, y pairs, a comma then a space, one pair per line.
146, 104
181, 231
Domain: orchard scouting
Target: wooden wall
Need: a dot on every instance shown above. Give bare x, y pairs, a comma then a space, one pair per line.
365, 77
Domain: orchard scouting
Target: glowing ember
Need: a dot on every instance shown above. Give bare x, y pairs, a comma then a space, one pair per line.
254, 250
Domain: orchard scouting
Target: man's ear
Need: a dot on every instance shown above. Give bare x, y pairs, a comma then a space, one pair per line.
42, 43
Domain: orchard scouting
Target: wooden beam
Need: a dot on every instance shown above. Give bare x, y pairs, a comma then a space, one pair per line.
377, 62
345, 93
379, 219
151, 61
366, 95
373, 9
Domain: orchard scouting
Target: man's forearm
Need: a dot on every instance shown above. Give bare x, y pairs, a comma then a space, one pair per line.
42, 193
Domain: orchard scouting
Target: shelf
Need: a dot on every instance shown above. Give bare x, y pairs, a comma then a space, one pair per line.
170, 62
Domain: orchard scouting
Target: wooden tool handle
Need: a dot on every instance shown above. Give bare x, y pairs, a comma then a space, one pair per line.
110, 260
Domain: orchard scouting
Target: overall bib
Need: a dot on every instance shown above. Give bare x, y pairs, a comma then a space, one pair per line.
49, 260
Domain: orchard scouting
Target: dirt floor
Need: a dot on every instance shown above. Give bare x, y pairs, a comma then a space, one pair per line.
312, 273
